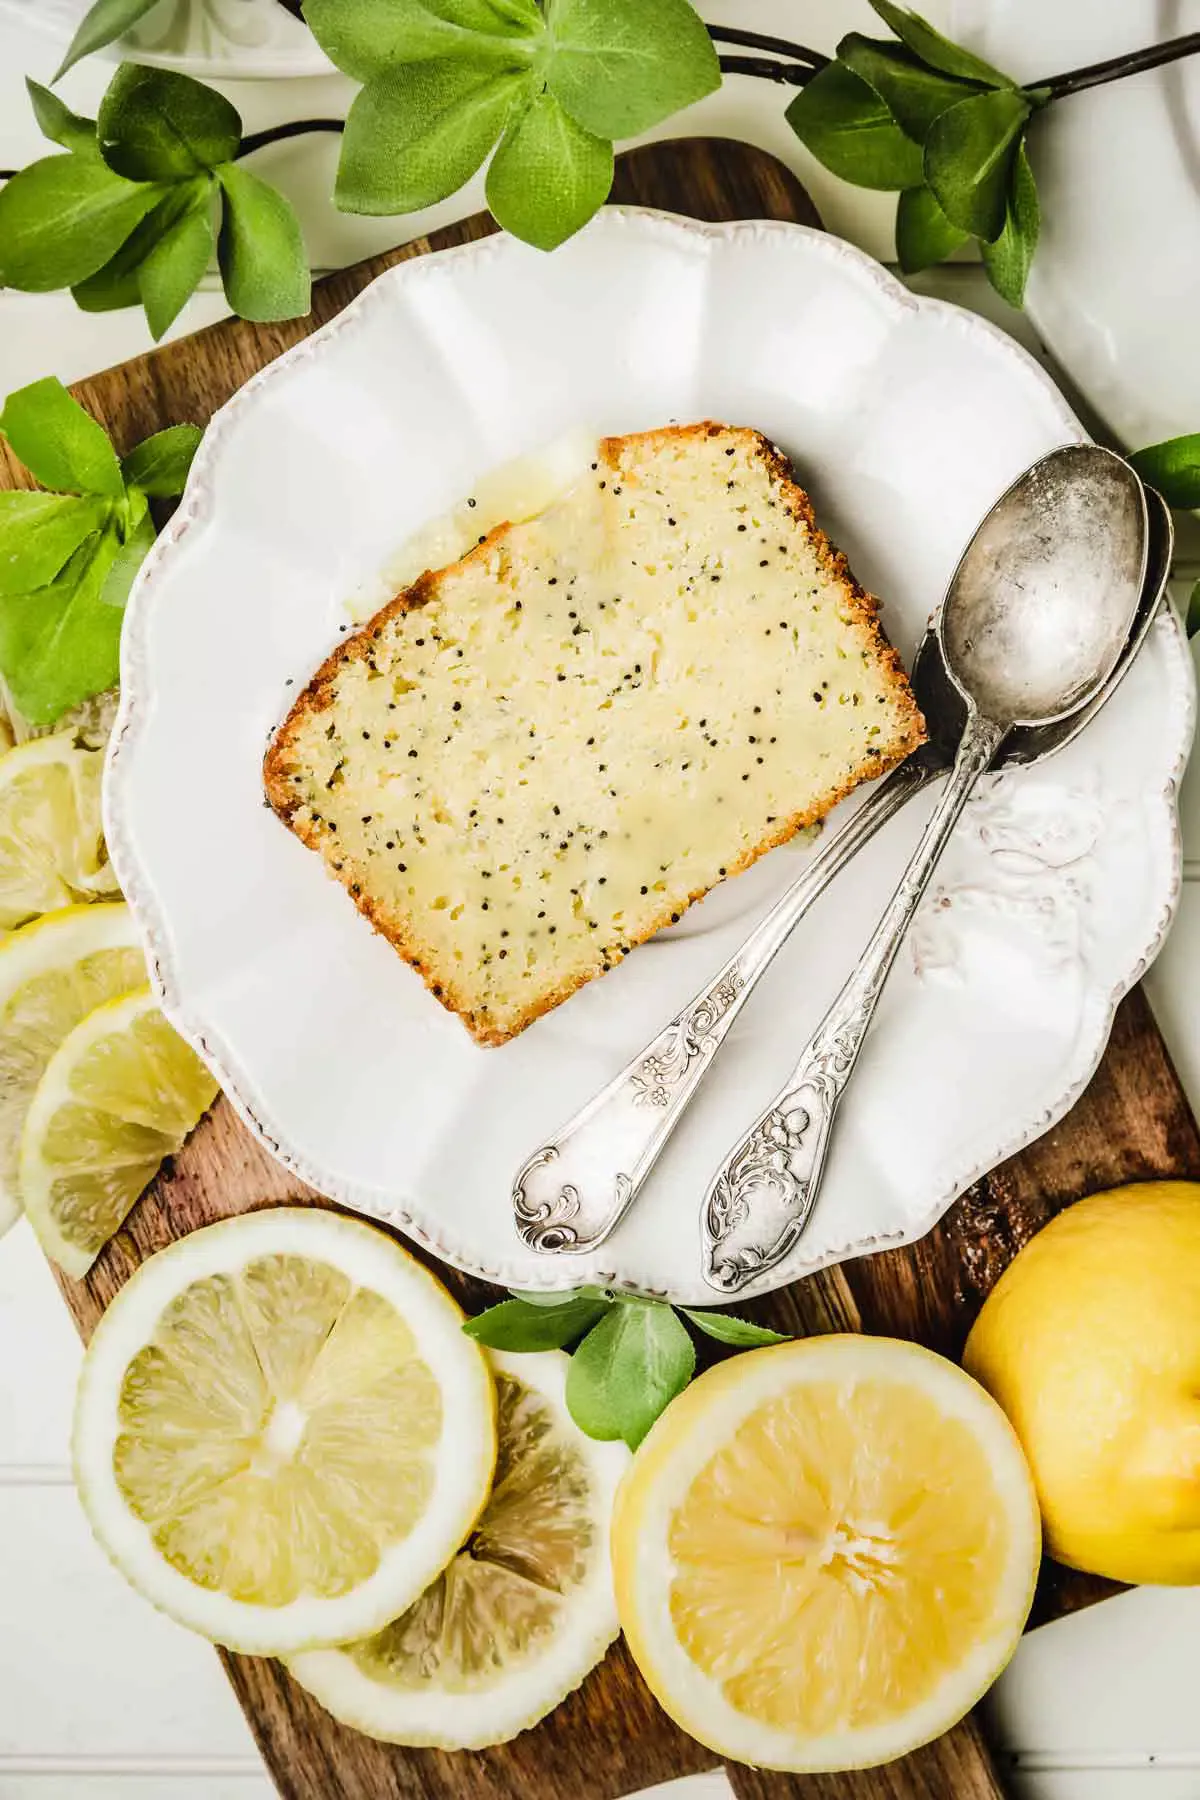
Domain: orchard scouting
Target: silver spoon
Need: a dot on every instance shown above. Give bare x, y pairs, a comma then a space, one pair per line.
1032, 626
572, 1191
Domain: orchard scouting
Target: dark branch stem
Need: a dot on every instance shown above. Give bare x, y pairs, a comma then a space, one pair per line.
274, 134
795, 73
758, 40
1116, 68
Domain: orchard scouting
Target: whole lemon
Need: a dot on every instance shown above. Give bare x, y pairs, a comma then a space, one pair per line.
1090, 1341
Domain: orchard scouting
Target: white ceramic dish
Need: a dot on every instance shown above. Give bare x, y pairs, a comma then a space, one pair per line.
1115, 284
212, 39
906, 418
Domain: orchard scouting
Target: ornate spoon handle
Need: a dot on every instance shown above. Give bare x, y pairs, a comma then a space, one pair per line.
574, 1188
763, 1194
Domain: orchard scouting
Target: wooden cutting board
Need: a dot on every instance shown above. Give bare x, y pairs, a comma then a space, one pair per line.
1133, 1123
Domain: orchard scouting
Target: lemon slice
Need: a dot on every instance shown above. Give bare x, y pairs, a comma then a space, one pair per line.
825, 1552
282, 1433
52, 973
121, 1092
51, 847
525, 1609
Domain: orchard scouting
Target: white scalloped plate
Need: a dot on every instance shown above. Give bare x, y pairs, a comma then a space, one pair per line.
906, 418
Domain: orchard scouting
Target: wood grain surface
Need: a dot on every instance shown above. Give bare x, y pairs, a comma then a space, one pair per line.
1133, 1123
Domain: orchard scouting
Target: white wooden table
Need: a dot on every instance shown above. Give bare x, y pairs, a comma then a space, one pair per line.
102, 1699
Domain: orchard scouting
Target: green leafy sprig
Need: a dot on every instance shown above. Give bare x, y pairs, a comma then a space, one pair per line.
539, 90
918, 114
542, 90
141, 198
1173, 467
631, 1356
68, 556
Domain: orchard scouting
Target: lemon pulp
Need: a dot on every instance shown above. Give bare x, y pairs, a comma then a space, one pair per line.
256, 1417
521, 1613
121, 1092
51, 849
825, 1551
837, 1557
52, 973
500, 1598
282, 1433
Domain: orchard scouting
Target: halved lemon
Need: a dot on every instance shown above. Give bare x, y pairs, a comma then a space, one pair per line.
52, 973
121, 1092
282, 1432
524, 1610
51, 845
825, 1552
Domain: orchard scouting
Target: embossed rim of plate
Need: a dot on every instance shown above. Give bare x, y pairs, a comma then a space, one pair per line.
411, 1217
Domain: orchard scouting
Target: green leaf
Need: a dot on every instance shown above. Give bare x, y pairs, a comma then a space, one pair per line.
548, 175
102, 24
63, 217
914, 95
1193, 611
536, 1297
527, 15
159, 465
137, 539
495, 18
848, 128
172, 268
116, 284
924, 235
621, 66
40, 532
938, 51
627, 1370
1008, 260
727, 1330
156, 125
264, 264
516, 1325
59, 644
57, 122
416, 134
968, 159
1173, 467
366, 38
60, 443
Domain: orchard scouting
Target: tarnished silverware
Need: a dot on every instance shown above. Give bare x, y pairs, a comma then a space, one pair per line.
575, 1187
1034, 622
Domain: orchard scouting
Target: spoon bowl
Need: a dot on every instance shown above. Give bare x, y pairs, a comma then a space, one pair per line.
945, 709
1043, 598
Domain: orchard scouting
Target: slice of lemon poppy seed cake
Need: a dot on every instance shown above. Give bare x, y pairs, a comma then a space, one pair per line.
534, 758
